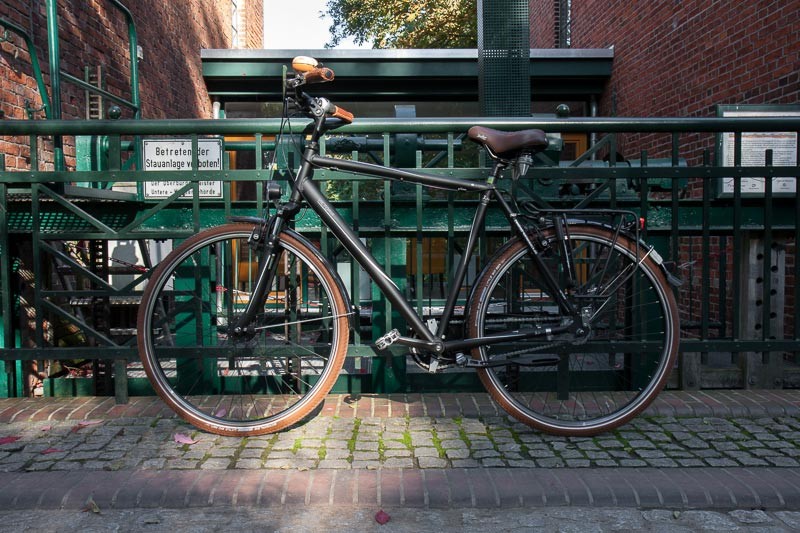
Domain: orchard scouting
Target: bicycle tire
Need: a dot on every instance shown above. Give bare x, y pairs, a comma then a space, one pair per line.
276, 376
585, 386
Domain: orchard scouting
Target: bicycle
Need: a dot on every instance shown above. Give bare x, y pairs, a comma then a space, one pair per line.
572, 324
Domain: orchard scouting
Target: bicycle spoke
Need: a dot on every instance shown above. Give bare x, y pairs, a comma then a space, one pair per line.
277, 369
611, 366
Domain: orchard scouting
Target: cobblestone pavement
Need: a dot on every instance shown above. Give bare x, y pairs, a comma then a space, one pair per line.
726, 450
93, 440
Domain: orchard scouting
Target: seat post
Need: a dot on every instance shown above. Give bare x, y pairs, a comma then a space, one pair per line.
497, 171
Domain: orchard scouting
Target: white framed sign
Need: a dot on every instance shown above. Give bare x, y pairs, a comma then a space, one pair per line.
171, 155
753, 152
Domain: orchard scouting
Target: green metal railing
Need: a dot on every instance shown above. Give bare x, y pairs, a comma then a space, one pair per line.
738, 323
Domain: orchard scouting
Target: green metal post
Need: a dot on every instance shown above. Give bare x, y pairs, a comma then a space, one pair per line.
504, 58
6, 376
55, 79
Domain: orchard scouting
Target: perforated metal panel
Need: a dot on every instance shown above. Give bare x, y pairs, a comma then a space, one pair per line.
504, 57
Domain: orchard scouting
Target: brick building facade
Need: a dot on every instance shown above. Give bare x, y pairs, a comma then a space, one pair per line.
94, 33
683, 57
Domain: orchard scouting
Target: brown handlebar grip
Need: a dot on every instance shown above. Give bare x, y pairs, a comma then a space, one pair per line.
319, 75
343, 114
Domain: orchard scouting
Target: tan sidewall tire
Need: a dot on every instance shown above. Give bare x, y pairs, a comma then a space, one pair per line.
281, 420
496, 266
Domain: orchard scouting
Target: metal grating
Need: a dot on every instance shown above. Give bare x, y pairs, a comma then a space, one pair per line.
504, 58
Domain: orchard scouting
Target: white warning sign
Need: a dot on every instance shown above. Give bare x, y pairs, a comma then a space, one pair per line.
170, 155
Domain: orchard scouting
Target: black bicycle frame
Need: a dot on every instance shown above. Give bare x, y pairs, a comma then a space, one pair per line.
304, 189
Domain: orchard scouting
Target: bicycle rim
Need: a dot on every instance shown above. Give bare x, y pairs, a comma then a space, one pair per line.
595, 383
265, 380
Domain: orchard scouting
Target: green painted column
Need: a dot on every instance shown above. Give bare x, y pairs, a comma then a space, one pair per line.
504, 58
389, 371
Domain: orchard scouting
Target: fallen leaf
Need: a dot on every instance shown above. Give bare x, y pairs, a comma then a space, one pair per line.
47, 428
221, 412
48, 451
181, 438
85, 423
92, 506
382, 517
9, 440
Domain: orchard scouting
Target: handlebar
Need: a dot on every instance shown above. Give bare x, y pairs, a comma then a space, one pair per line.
343, 114
319, 75
309, 71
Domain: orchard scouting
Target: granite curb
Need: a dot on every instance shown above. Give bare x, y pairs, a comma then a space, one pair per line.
704, 488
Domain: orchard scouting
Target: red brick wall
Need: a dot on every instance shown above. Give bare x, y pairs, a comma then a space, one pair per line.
92, 32
681, 58
543, 24
254, 21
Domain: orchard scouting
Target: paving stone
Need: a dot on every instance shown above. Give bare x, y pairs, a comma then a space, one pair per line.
365, 465
404, 452
426, 452
181, 464
216, 463
251, 453
398, 462
579, 463
457, 454
641, 444
553, 462
250, 464
365, 456
690, 462
339, 464
336, 453
431, 462
782, 461
756, 516
278, 463
542, 454
662, 462
480, 454
632, 462
466, 463
157, 463
67, 465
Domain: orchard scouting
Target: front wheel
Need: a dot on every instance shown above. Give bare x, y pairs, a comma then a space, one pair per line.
587, 383
265, 379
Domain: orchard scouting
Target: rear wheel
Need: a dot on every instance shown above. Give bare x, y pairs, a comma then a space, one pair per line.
587, 384
265, 380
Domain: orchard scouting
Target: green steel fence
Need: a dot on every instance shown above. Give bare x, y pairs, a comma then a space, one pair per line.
717, 198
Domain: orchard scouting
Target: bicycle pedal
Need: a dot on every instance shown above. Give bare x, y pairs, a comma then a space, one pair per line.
387, 340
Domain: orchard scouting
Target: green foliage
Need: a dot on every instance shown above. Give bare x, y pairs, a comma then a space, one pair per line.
405, 23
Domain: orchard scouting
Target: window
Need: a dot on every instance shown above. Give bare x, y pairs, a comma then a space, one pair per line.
237, 23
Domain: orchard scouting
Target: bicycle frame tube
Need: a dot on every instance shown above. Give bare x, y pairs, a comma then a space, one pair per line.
304, 188
353, 244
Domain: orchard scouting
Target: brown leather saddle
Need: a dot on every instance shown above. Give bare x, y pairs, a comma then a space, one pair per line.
507, 144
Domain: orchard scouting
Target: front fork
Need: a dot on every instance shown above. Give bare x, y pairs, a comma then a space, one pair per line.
264, 240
